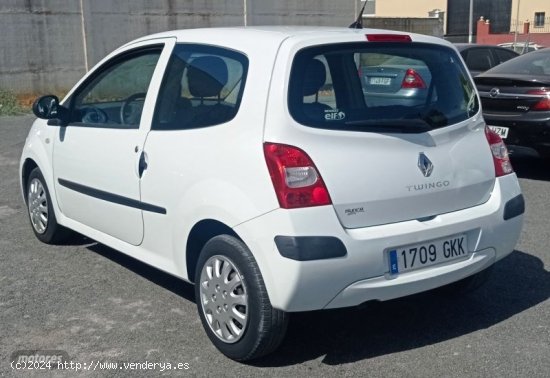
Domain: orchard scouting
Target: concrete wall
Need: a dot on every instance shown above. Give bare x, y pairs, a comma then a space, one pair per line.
429, 26
47, 45
304, 12
40, 49
109, 24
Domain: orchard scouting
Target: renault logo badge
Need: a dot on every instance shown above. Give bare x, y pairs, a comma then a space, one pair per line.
494, 92
425, 165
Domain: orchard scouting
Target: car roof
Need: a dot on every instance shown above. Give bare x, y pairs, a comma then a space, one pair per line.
247, 38
466, 46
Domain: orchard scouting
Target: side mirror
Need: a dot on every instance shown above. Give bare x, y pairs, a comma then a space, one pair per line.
46, 107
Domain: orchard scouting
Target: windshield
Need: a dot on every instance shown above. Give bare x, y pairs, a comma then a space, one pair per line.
534, 63
399, 87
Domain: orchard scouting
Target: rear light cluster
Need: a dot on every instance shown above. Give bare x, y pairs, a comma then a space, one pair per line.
413, 80
544, 103
295, 178
503, 166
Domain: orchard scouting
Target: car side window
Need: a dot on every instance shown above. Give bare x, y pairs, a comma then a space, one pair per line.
202, 86
114, 96
479, 60
504, 55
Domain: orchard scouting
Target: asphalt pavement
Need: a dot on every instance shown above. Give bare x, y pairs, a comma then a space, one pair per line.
106, 310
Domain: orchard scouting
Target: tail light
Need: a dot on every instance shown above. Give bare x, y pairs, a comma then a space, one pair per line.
412, 80
503, 166
295, 178
544, 103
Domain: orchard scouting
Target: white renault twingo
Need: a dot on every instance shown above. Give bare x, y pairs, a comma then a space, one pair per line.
279, 169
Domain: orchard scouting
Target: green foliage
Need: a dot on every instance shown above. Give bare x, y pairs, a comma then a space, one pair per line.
8, 103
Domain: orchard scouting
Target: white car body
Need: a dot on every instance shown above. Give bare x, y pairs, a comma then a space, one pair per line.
521, 47
217, 176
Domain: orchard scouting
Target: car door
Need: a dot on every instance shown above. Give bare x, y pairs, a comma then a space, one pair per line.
98, 157
194, 126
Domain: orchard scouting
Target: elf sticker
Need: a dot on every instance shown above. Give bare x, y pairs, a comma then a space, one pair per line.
334, 115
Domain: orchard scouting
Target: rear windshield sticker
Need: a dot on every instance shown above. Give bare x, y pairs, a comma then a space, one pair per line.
334, 115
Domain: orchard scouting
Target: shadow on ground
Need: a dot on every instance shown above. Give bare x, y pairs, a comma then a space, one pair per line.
165, 280
531, 168
348, 335
377, 328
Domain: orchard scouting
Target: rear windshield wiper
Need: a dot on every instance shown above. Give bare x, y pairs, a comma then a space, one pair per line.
412, 126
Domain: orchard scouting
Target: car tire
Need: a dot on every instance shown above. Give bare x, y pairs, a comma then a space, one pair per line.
468, 284
233, 303
41, 214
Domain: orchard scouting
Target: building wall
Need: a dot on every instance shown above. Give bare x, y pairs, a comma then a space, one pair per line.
498, 11
485, 36
47, 45
527, 9
370, 7
411, 8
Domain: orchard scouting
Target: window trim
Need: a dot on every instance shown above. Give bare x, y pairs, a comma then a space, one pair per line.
123, 56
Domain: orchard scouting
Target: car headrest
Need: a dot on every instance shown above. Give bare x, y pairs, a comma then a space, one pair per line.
207, 75
315, 77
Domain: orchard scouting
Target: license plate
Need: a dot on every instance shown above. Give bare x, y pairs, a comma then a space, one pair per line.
501, 131
416, 256
380, 80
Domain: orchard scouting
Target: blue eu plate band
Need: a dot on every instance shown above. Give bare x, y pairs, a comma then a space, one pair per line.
393, 262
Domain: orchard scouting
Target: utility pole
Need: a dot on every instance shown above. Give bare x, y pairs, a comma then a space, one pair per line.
517, 24
84, 39
471, 22
245, 12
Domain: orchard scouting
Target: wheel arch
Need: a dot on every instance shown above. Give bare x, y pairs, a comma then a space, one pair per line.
28, 165
199, 235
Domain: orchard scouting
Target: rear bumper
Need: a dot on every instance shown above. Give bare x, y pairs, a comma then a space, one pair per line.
362, 274
526, 131
382, 288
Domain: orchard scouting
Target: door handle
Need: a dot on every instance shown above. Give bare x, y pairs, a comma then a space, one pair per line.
142, 164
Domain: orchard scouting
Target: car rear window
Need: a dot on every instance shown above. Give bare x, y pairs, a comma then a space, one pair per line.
390, 87
535, 63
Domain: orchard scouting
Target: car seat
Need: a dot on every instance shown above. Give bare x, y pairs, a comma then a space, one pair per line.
207, 76
314, 79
